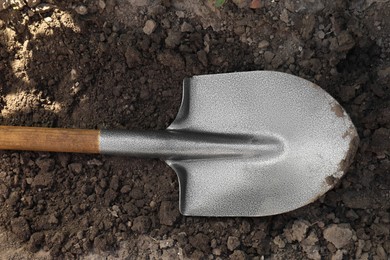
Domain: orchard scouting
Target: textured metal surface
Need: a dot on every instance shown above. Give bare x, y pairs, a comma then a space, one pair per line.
248, 144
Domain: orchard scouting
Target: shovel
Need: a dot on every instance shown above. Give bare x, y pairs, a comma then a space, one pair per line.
243, 144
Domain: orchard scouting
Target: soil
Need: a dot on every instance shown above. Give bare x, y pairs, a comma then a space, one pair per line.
120, 64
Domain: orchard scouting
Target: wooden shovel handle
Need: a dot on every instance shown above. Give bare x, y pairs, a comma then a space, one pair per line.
49, 139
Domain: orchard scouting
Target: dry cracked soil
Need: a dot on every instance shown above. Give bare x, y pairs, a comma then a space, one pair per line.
120, 63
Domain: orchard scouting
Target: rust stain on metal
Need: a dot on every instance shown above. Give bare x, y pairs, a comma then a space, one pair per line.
350, 132
315, 86
353, 146
337, 109
332, 180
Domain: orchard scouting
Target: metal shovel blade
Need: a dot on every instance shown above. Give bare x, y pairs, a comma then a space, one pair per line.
257, 143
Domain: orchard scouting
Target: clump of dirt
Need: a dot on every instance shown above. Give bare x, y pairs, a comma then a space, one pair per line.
120, 64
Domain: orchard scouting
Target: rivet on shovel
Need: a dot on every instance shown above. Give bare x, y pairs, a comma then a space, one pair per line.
243, 144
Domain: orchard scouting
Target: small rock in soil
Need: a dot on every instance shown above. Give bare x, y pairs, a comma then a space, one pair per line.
114, 183
4, 191
338, 255
18, 4
279, 242
149, 27
238, 255
200, 241
21, 228
53, 219
256, 4
383, 73
126, 189
168, 213
310, 248
186, 27
268, 56
297, 231
308, 24
43, 8
241, 3
173, 39
33, 3
45, 164
81, 10
43, 180
263, 44
141, 224
233, 243
345, 41
166, 243
76, 167
202, 57
101, 4
340, 235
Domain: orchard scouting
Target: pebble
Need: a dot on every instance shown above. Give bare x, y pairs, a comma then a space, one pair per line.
339, 235
75, 167
53, 219
43, 8
268, 56
238, 255
310, 247
102, 4
149, 27
43, 179
33, 3
202, 57
94, 162
125, 189
338, 255
173, 39
240, 3
18, 4
166, 243
45, 164
297, 231
180, 14
284, 16
217, 251
279, 242
383, 73
186, 27
380, 251
321, 35
4, 5
81, 9
233, 243
263, 44
345, 41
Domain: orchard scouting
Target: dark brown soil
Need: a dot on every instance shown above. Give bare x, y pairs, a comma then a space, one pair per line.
102, 64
